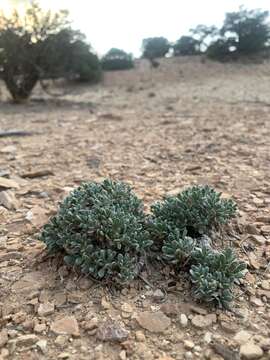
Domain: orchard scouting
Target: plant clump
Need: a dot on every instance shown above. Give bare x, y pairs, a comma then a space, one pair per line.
214, 274
100, 229
197, 210
179, 227
117, 59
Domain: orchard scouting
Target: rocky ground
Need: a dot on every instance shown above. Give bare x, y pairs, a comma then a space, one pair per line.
186, 122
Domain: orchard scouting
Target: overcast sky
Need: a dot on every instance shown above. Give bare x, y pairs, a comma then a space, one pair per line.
124, 23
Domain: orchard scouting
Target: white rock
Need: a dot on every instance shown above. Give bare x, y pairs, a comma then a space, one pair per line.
42, 345
8, 200
250, 351
183, 320
207, 337
188, 344
45, 309
242, 337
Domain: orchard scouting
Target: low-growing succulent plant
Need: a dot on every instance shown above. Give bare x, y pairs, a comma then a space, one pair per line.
178, 248
214, 274
100, 228
197, 209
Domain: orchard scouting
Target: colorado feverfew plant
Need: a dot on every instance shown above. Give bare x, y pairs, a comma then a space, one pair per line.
101, 229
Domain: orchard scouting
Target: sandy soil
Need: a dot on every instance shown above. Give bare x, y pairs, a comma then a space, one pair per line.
160, 130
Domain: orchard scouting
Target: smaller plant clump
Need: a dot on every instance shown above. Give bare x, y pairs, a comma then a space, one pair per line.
178, 248
179, 227
214, 274
117, 59
100, 229
197, 210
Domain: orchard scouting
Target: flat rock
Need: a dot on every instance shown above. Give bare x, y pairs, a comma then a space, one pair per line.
12, 255
252, 229
37, 173
158, 295
45, 309
112, 331
201, 322
170, 309
265, 229
66, 326
253, 261
265, 284
242, 337
8, 184
30, 282
8, 200
250, 351
9, 149
256, 301
266, 293
26, 340
3, 214
229, 327
265, 219
42, 346
198, 310
3, 338
258, 239
37, 216
155, 322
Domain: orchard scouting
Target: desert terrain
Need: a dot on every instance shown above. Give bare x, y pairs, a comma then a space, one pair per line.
187, 122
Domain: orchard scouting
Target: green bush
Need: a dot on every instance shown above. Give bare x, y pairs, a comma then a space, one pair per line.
89, 69
222, 50
100, 229
244, 32
249, 28
117, 59
178, 248
84, 64
155, 47
41, 45
214, 274
197, 210
186, 45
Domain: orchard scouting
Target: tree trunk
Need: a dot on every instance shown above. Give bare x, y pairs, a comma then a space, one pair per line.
20, 86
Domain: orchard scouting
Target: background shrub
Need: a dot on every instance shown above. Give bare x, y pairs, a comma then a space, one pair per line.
244, 32
186, 45
155, 47
222, 49
41, 45
84, 65
117, 59
100, 229
249, 28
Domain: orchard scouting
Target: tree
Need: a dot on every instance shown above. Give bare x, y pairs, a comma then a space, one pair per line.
204, 35
84, 64
117, 59
222, 49
155, 47
250, 28
186, 45
38, 45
